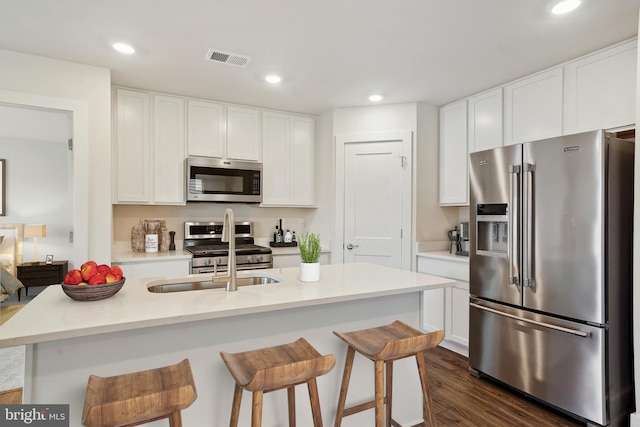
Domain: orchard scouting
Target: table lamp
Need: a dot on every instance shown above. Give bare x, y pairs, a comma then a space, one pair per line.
35, 231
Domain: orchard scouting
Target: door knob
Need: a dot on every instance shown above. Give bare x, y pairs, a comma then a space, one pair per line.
350, 246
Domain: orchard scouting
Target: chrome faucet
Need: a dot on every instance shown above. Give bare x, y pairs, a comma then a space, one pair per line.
229, 235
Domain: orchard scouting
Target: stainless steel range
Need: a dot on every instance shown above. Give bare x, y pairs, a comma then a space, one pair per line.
204, 241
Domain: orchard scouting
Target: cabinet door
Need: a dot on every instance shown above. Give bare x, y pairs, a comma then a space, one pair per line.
132, 147
485, 121
243, 134
454, 158
275, 163
206, 129
600, 90
168, 150
457, 325
302, 159
533, 107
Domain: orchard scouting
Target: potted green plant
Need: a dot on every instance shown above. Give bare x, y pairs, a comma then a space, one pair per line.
309, 244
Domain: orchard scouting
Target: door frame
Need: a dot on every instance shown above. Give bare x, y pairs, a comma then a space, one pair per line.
406, 140
80, 191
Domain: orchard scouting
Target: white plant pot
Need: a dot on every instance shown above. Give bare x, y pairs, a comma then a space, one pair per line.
309, 272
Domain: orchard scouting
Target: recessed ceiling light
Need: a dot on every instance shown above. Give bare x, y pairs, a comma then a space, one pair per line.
565, 6
273, 78
124, 48
375, 98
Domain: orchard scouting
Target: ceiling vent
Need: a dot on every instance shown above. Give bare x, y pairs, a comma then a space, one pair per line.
217, 55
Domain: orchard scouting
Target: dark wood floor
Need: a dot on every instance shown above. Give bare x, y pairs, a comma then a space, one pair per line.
463, 400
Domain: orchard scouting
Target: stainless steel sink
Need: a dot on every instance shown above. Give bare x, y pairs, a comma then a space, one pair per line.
164, 286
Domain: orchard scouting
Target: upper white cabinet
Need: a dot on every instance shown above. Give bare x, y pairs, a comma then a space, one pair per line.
600, 89
288, 160
168, 150
229, 132
133, 181
206, 129
485, 121
243, 134
149, 148
454, 158
533, 107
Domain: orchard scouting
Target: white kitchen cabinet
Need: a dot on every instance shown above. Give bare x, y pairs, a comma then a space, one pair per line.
217, 130
243, 134
168, 147
288, 160
447, 309
533, 107
600, 89
485, 121
149, 148
293, 260
132, 146
161, 268
454, 158
206, 129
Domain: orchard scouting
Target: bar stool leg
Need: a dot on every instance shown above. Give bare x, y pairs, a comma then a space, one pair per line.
291, 398
348, 365
427, 404
256, 413
235, 408
379, 391
175, 419
389, 392
315, 402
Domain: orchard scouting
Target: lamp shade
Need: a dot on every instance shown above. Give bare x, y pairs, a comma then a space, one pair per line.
35, 230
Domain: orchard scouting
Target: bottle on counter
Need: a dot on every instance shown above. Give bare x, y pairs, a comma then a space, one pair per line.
293, 237
288, 238
276, 236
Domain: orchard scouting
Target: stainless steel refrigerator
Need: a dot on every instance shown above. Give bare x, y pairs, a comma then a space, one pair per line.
550, 272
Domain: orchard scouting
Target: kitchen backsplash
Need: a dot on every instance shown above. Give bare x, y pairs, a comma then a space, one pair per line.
264, 219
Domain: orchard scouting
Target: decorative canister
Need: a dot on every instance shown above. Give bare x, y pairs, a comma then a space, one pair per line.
151, 243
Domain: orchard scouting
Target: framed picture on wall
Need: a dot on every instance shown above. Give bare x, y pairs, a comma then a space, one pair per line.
3, 192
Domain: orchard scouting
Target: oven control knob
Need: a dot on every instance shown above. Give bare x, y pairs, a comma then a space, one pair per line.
218, 261
249, 259
259, 258
207, 261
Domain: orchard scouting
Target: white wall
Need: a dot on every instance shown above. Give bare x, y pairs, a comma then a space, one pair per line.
38, 184
635, 418
68, 82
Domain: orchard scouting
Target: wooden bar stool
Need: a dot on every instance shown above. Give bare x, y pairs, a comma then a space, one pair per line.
384, 345
139, 397
274, 368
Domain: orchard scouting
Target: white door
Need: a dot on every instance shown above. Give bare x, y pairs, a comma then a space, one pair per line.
373, 203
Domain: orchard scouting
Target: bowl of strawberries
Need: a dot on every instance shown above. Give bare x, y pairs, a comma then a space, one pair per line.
93, 281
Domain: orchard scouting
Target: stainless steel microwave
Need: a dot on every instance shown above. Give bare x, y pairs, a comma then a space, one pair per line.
222, 180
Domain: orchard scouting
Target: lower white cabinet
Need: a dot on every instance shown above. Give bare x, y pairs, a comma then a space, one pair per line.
293, 260
448, 308
166, 268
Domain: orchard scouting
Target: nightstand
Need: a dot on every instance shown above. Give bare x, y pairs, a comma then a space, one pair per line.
41, 274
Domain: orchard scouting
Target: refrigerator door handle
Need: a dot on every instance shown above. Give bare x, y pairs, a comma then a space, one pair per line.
512, 247
531, 321
527, 273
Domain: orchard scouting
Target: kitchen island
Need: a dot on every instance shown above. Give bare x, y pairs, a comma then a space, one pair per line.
135, 329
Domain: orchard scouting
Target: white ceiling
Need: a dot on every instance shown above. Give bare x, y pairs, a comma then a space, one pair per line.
330, 53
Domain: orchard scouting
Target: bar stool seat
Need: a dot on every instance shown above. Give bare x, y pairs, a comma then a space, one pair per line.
139, 397
274, 368
384, 345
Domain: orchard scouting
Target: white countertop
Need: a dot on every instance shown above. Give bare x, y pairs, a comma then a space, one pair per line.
52, 315
444, 255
